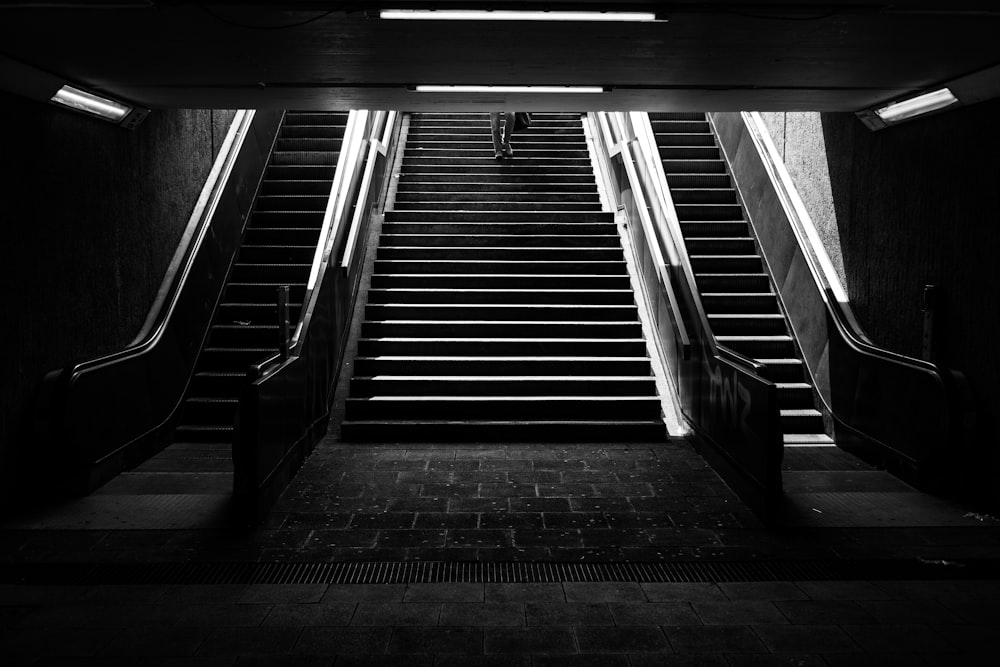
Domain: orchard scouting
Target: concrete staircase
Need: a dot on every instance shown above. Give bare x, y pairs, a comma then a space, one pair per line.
736, 290
500, 306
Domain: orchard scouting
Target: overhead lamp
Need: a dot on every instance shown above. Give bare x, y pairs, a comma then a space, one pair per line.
509, 15
907, 109
105, 108
509, 89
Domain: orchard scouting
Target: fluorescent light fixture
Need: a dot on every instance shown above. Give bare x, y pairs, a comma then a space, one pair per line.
916, 106
508, 89
89, 103
506, 15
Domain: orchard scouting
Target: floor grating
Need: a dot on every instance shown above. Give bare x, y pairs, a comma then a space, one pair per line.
358, 572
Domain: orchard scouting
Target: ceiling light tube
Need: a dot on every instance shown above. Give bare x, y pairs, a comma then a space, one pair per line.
509, 89
506, 15
916, 106
95, 105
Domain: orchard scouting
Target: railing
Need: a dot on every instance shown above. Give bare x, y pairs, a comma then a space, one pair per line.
285, 409
723, 394
906, 413
99, 415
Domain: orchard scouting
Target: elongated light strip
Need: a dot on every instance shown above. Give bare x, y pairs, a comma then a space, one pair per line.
505, 15
508, 89
915, 106
90, 103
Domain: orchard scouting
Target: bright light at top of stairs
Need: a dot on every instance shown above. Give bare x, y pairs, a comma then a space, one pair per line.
506, 15
915, 106
508, 89
90, 103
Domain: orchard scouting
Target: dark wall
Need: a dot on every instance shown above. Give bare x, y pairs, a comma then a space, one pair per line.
92, 215
918, 204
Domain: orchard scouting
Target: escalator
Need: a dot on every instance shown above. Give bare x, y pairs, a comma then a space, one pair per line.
736, 291
278, 246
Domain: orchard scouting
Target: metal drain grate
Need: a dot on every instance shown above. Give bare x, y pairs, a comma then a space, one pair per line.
480, 572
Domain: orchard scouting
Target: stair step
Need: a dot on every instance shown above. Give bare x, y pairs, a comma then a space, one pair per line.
667, 127
291, 202
210, 411
494, 206
414, 198
499, 240
748, 323
217, 384
703, 195
372, 347
467, 266
715, 166
501, 311
312, 131
204, 433
709, 152
501, 385
714, 229
495, 217
497, 365
502, 407
288, 236
720, 245
316, 157
726, 263
508, 296
782, 370
801, 420
732, 303
248, 270
501, 281
499, 253
795, 395
500, 175
410, 185
602, 431
696, 180
808, 440
518, 229
300, 172
733, 282
310, 144
759, 347
316, 187
262, 292
500, 328
721, 212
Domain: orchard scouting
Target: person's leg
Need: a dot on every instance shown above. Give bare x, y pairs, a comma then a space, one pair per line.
495, 128
508, 132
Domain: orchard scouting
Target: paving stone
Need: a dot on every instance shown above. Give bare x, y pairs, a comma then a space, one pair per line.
448, 592
684, 592
382, 661
339, 593
805, 638
249, 641
713, 639
562, 520
530, 641
450, 465
596, 660
654, 613
824, 612
101, 616
127, 594
889, 638
682, 536
328, 539
738, 613
511, 520
449, 520
975, 611
483, 614
612, 591
893, 612
842, 590
482, 661
203, 594
72, 642
419, 504
622, 639
480, 538
157, 642
274, 593
514, 554
450, 490
534, 476
391, 614
221, 615
776, 660
539, 504
387, 520
422, 539
507, 490
567, 613
451, 553
485, 505
548, 538
435, 640
640, 520
330, 641
761, 590
971, 638
299, 615
603, 505
673, 660
614, 538
525, 592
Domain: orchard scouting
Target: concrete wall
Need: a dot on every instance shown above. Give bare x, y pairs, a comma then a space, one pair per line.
92, 215
905, 207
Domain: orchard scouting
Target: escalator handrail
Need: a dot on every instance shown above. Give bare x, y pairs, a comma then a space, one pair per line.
159, 315
361, 125
832, 290
384, 121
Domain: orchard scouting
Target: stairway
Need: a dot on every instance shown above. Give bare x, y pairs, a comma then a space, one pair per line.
277, 249
736, 291
500, 306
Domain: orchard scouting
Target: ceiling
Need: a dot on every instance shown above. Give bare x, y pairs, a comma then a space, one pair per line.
709, 55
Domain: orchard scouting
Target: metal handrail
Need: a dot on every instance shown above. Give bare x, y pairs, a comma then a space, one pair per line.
817, 259
384, 120
181, 264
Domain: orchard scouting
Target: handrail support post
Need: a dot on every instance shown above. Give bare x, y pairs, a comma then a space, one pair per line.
283, 322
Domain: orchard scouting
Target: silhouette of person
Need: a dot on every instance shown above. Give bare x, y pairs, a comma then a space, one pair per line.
501, 146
